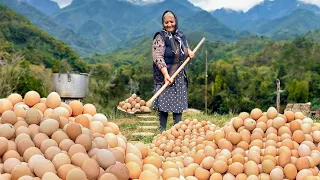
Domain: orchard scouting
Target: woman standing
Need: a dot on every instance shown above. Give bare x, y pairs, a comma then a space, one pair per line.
169, 50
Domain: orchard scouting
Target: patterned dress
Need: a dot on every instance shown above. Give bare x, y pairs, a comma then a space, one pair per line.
174, 98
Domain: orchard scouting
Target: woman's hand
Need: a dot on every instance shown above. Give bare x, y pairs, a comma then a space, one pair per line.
167, 78
191, 54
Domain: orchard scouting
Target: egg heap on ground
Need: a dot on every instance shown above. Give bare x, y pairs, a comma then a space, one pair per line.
134, 104
251, 146
44, 138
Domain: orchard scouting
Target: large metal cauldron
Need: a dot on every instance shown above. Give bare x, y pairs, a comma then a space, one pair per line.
69, 85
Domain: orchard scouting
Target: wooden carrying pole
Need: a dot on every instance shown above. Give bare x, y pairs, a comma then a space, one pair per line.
149, 103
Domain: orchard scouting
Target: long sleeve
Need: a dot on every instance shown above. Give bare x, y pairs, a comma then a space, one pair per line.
158, 48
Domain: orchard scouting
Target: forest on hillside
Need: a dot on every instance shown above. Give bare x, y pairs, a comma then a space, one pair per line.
241, 75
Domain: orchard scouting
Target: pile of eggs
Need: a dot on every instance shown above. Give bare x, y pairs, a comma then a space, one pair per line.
134, 104
44, 138
259, 145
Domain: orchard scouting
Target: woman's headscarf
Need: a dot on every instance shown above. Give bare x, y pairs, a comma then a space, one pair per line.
175, 35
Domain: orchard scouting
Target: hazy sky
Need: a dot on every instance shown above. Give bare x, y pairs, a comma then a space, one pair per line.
211, 4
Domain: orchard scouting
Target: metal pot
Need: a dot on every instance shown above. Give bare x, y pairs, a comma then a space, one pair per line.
69, 85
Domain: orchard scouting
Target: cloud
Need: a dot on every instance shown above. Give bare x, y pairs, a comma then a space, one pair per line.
316, 2
210, 5
63, 3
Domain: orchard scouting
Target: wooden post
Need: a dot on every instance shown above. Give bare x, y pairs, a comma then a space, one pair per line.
206, 91
278, 95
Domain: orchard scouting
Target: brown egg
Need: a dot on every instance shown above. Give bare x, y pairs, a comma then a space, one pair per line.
46, 144
77, 107
120, 171
43, 166
3, 145
9, 164
53, 100
134, 170
48, 126
39, 138
244, 115
89, 109
9, 117
21, 110
30, 152
59, 136
96, 127
48, 112
78, 159
61, 111
201, 174
113, 140
85, 141
272, 113
33, 116
236, 168
101, 143
31, 98
32, 161
33, 129
220, 166
251, 168
83, 120
6, 131
64, 170
298, 136
51, 152
11, 154
73, 130
250, 124
130, 157
66, 144
40, 106
76, 148
298, 115
108, 176
5, 105
50, 176
91, 168
76, 173
256, 113
278, 122
114, 127
302, 163
19, 171
61, 159
15, 98
66, 106
24, 144
154, 160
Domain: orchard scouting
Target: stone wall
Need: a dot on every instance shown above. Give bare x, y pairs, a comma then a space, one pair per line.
301, 107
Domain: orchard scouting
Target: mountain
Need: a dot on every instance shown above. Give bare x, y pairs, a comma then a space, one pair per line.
261, 13
297, 23
37, 46
101, 26
115, 23
81, 45
47, 7
279, 19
